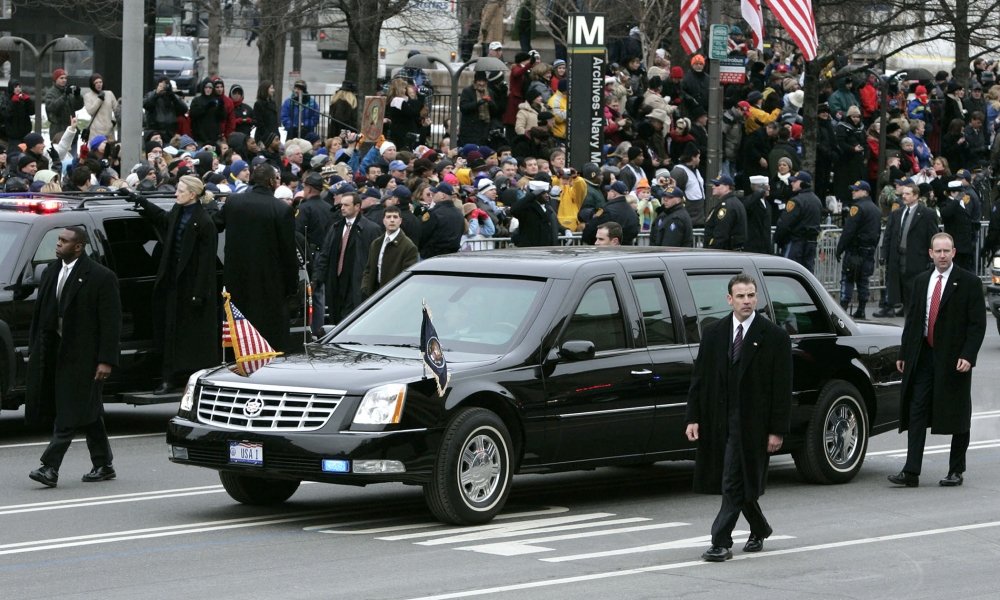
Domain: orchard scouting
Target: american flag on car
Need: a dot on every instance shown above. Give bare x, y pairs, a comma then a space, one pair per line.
250, 348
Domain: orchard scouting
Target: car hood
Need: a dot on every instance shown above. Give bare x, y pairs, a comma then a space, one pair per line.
354, 368
166, 64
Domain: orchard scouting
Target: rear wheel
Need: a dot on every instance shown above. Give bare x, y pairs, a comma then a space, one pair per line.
471, 477
257, 491
837, 436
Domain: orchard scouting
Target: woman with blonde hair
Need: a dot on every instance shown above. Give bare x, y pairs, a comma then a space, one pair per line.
185, 295
403, 110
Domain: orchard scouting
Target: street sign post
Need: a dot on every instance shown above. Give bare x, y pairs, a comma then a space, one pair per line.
718, 42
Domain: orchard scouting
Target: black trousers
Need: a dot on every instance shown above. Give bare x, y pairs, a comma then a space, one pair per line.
734, 500
97, 443
920, 418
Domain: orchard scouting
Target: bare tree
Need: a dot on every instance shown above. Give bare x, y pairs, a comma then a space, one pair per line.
365, 19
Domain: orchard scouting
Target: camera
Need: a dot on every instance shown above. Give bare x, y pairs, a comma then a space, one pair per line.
413, 139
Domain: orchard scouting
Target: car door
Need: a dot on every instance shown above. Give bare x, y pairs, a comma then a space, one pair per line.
671, 359
601, 407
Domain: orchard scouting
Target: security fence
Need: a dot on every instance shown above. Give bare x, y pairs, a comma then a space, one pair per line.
827, 267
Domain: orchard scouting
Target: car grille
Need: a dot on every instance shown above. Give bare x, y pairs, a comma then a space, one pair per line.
166, 73
264, 410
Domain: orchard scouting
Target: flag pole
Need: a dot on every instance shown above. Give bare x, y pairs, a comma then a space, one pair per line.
423, 350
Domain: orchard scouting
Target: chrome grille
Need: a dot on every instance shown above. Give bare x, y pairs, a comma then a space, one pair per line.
266, 408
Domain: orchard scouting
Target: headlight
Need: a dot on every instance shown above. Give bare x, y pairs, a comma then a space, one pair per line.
996, 262
381, 405
187, 400
186, 72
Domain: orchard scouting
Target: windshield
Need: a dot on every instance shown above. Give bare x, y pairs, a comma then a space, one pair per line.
175, 50
11, 240
478, 315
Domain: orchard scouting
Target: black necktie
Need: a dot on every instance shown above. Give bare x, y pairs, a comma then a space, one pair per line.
737, 343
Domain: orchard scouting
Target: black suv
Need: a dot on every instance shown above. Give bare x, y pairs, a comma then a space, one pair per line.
120, 240
560, 359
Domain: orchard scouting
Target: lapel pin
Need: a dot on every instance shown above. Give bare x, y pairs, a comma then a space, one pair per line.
755, 343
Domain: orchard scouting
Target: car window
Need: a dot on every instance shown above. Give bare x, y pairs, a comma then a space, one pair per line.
470, 314
11, 236
656, 319
46, 251
176, 50
598, 318
133, 247
709, 291
794, 308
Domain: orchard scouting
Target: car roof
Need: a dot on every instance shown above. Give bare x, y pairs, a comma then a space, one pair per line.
563, 261
66, 202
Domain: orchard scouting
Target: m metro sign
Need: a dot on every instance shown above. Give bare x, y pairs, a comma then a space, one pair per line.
587, 66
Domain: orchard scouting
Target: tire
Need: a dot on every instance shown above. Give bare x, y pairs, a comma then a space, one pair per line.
471, 476
257, 491
837, 436
324, 54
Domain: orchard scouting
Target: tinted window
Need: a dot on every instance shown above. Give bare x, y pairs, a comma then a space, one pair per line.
709, 292
655, 311
11, 236
174, 49
794, 308
133, 247
470, 314
598, 318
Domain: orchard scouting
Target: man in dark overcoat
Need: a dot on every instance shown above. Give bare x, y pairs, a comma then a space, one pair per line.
340, 265
389, 255
186, 294
74, 344
905, 256
944, 329
261, 267
738, 413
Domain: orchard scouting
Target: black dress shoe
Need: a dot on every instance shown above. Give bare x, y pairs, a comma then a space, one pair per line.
100, 474
45, 475
717, 554
883, 313
165, 388
953, 479
755, 543
904, 478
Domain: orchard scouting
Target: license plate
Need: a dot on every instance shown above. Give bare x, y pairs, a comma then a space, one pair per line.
246, 453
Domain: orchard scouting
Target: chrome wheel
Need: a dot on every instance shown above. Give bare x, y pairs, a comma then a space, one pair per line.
841, 432
480, 469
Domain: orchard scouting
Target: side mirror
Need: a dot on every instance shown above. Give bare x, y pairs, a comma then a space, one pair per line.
577, 350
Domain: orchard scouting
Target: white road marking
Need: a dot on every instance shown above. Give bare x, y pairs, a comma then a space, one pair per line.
112, 437
548, 510
938, 449
698, 563
457, 535
695, 542
156, 532
530, 546
14, 509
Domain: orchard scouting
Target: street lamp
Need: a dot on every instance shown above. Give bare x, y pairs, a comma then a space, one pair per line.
482, 63
12, 43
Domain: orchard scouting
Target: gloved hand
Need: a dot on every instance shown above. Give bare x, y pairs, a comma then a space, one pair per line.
839, 256
101, 95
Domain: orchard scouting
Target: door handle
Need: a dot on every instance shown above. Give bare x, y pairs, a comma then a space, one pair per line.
641, 373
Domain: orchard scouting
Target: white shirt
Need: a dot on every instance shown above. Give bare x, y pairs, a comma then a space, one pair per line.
745, 324
67, 268
930, 291
389, 238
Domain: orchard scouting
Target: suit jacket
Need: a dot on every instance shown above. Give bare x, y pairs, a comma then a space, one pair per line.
764, 380
60, 380
958, 333
918, 241
343, 292
400, 254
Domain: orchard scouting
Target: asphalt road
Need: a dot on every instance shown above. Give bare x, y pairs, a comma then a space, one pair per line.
167, 531
238, 64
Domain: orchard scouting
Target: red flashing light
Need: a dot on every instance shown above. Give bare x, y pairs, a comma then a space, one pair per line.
32, 205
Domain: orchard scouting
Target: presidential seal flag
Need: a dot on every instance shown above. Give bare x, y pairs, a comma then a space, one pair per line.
250, 348
434, 359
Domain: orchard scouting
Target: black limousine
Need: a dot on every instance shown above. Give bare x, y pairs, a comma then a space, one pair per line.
560, 359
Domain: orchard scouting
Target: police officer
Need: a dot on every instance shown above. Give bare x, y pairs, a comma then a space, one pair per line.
758, 216
975, 204
856, 248
672, 226
726, 226
443, 225
617, 209
312, 222
798, 227
955, 212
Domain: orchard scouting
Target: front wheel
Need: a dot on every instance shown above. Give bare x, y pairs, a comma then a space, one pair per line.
472, 473
837, 436
257, 491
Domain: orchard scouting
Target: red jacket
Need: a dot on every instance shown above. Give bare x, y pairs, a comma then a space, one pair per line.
869, 100
515, 91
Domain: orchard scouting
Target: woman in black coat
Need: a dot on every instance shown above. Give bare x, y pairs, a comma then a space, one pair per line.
185, 295
265, 111
343, 110
208, 112
404, 111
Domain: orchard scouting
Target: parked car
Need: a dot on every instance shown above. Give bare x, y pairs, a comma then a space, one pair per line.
331, 42
177, 58
560, 359
993, 289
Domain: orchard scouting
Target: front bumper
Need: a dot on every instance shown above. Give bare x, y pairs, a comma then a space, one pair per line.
993, 299
299, 455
